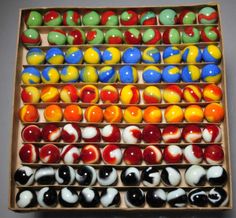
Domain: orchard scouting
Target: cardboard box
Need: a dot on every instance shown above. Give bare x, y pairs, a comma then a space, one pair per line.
17, 126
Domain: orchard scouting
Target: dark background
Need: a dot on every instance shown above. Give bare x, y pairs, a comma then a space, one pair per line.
9, 19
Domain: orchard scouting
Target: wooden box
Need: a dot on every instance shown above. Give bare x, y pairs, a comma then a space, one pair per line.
17, 125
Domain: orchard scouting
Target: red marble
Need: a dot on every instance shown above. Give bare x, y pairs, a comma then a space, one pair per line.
29, 153
151, 134
182, 15
31, 133
71, 133
77, 37
133, 155
171, 134
106, 15
50, 15
49, 153
173, 154
131, 39
212, 133
156, 39
193, 154
192, 133
214, 154
90, 154
152, 155
70, 154
111, 133
204, 37
112, 154
51, 133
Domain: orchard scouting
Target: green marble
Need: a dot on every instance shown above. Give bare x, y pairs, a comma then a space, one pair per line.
189, 18
147, 15
125, 16
113, 33
99, 36
174, 36
31, 35
92, 18
210, 34
54, 22
168, 17
112, 21
34, 19
207, 11
134, 31
148, 35
69, 18
56, 38
191, 35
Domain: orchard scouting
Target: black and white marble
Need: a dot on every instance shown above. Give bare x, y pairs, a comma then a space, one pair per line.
177, 198
68, 197
26, 199
170, 176
65, 175
47, 197
24, 176
89, 197
150, 176
134, 197
86, 175
195, 175
110, 197
45, 175
156, 197
107, 175
130, 176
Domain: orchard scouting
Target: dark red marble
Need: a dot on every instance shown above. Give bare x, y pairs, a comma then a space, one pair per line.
171, 134
51, 133
151, 134
29, 153
130, 38
31, 133
71, 133
77, 37
214, 154
133, 155
111, 133
152, 155
49, 153
192, 133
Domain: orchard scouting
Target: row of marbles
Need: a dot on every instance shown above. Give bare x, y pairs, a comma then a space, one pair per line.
110, 198
72, 133
129, 94
114, 155
151, 55
150, 36
207, 15
151, 176
212, 113
126, 74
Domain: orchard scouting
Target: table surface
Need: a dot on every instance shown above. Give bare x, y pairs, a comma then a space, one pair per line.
9, 18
